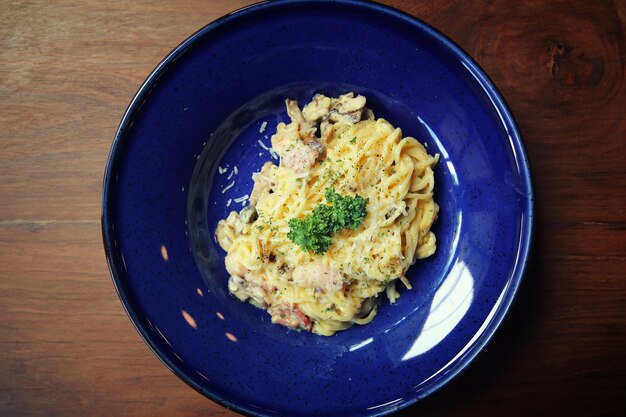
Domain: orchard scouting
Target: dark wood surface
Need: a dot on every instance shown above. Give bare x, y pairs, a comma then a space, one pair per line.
67, 72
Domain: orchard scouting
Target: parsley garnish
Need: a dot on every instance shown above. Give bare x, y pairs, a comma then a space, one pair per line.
314, 232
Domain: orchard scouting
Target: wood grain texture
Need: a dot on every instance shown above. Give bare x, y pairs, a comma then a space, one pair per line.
67, 72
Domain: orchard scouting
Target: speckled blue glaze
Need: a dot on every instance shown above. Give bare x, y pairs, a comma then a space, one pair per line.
203, 107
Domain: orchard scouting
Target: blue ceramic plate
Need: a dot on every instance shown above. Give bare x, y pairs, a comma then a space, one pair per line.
199, 115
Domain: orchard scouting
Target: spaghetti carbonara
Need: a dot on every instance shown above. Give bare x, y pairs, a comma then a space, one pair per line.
340, 220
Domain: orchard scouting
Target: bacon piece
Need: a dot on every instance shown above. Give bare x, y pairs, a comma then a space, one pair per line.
290, 316
318, 276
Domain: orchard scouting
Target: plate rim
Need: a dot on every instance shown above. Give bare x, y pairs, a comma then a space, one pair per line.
488, 87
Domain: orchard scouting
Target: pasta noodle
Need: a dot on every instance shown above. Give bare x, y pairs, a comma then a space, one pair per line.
355, 155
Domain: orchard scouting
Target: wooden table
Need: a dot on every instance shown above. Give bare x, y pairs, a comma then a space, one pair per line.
67, 72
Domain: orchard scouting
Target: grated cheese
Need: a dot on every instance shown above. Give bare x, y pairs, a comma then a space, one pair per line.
241, 199
228, 187
263, 145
